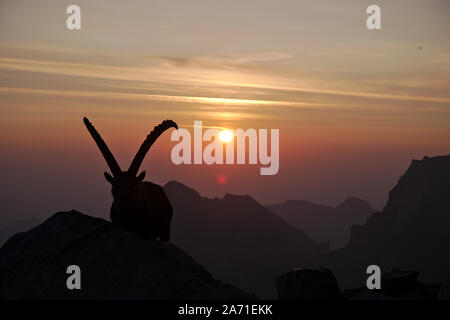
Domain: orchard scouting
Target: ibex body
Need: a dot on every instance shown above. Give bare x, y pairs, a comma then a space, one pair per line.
139, 207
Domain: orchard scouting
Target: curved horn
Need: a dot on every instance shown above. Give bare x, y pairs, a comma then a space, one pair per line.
112, 163
151, 138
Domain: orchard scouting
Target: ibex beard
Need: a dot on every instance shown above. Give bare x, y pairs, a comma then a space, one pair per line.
138, 207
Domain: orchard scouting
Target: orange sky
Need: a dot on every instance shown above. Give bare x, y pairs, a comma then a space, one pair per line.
353, 106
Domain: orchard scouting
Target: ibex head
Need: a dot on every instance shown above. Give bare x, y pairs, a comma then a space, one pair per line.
124, 181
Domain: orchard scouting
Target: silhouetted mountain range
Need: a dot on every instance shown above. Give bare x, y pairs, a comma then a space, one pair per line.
241, 242
114, 265
117, 264
412, 232
325, 223
237, 239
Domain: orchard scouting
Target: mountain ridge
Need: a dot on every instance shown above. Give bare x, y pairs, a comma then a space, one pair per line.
325, 222
237, 238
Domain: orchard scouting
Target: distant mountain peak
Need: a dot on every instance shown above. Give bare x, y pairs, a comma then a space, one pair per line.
353, 202
174, 186
302, 202
234, 236
324, 222
179, 188
239, 197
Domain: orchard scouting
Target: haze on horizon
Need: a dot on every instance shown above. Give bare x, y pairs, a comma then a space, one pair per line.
353, 106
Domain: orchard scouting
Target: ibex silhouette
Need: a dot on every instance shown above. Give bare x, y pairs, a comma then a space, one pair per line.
139, 207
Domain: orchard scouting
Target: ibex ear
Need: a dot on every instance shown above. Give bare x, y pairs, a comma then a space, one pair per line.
141, 176
109, 177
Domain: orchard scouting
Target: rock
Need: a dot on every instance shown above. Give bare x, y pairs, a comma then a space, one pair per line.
317, 283
17, 226
397, 285
366, 294
444, 291
114, 265
308, 283
399, 282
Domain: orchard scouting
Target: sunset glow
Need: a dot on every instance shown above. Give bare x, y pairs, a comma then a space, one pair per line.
351, 104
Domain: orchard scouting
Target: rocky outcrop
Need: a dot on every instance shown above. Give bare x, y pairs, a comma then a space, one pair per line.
398, 285
317, 283
10, 229
114, 265
399, 282
308, 283
444, 292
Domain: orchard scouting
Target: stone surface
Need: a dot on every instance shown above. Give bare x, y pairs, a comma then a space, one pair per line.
398, 281
317, 283
114, 265
308, 283
444, 291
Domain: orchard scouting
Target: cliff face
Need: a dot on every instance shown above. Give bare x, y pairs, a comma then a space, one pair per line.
114, 265
412, 231
422, 193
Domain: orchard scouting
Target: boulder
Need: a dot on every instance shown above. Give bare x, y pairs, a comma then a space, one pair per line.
308, 283
444, 291
397, 285
114, 264
399, 282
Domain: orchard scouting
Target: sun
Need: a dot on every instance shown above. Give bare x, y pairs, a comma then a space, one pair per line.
225, 136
